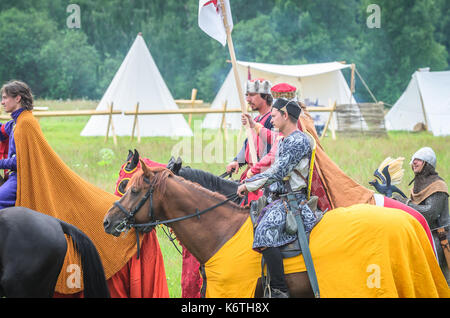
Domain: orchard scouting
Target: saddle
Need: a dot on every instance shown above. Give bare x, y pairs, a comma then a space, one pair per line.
288, 250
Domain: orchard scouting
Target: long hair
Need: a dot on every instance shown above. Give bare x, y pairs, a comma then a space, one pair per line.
17, 88
268, 98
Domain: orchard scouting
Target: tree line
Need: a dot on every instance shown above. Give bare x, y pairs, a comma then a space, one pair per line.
60, 61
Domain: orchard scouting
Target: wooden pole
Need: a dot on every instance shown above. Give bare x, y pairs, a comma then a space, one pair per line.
193, 98
135, 122
111, 124
352, 83
138, 132
112, 127
333, 126
223, 124
328, 122
252, 148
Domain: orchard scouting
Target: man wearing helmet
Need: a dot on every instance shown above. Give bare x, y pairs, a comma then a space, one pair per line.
429, 196
259, 98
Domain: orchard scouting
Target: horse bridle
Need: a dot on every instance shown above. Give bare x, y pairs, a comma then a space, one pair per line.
129, 221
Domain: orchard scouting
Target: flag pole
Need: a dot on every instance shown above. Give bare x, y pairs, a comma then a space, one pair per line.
250, 142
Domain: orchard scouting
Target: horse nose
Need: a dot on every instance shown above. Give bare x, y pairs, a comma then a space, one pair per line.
106, 224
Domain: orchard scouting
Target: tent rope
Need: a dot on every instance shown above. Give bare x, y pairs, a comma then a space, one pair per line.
365, 85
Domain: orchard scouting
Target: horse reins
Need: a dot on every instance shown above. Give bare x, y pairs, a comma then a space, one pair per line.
128, 221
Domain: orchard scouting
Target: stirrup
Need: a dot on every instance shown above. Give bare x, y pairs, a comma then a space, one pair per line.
276, 293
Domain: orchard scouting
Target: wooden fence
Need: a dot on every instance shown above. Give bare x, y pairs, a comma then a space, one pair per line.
43, 112
367, 119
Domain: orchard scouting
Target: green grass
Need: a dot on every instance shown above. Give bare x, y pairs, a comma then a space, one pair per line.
356, 156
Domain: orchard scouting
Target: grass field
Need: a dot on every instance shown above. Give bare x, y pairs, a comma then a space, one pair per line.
356, 156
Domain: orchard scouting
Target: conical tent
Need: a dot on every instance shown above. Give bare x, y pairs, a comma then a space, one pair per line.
138, 81
318, 82
426, 100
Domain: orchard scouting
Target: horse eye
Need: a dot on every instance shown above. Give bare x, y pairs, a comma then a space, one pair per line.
122, 186
134, 190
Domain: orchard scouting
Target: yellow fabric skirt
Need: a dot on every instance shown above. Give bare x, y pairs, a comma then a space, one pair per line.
361, 251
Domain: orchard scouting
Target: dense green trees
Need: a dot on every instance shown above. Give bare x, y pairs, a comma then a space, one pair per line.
58, 62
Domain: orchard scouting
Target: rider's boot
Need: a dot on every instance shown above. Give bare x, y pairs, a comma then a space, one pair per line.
274, 260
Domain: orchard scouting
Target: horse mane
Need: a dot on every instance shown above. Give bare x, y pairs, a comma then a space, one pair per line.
206, 177
159, 183
206, 192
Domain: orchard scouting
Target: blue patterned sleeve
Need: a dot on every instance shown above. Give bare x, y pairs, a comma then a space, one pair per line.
291, 151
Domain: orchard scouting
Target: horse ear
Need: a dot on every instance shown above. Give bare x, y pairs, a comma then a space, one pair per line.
135, 158
130, 155
170, 163
177, 166
144, 167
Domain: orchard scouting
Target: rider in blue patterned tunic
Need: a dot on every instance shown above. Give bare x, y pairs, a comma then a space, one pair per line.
291, 165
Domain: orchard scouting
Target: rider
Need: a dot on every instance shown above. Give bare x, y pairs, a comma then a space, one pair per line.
16, 97
259, 98
305, 123
429, 196
291, 166
46, 184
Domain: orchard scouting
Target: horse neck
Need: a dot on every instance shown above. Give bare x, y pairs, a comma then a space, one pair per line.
202, 236
209, 181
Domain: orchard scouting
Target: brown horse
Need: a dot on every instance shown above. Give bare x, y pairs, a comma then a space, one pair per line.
212, 229
156, 196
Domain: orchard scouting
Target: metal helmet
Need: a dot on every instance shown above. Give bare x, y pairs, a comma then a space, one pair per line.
426, 154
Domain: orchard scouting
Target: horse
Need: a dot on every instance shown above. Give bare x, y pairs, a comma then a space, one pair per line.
32, 251
210, 237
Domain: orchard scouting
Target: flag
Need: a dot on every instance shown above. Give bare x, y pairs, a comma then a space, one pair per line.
210, 19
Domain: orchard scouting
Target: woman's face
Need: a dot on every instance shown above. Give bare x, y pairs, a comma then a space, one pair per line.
417, 165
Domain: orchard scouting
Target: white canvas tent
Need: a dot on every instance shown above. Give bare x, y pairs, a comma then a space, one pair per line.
426, 100
322, 82
138, 81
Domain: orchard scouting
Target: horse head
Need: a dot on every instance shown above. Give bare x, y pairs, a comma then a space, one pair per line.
155, 195
137, 205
